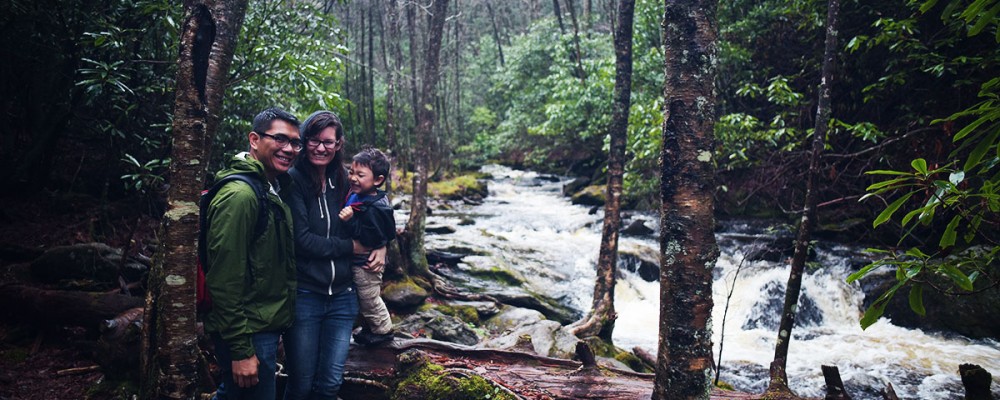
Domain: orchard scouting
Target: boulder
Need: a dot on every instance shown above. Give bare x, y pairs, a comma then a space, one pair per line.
573, 186
435, 325
513, 324
973, 315
590, 196
440, 230
637, 228
404, 294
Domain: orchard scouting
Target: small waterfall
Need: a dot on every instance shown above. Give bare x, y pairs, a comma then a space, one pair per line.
525, 224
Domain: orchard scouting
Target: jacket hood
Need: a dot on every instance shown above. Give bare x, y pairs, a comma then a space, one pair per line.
240, 164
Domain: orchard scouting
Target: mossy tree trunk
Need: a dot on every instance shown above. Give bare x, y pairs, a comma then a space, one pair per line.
688, 249
778, 379
601, 319
427, 114
170, 349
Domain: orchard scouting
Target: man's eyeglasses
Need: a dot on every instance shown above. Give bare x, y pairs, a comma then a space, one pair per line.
281, 140
329, 144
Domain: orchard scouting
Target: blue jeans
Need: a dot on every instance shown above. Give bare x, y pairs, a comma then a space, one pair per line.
316, 345
265, 344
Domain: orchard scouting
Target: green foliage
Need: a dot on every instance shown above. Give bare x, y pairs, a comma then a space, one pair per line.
288, 55
965, 193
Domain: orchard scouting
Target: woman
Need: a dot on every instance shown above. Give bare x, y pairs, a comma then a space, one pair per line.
326, 302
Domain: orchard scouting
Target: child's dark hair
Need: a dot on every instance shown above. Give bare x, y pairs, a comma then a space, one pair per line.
374, 159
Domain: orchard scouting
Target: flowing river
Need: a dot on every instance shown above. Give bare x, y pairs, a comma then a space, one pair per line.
527, 225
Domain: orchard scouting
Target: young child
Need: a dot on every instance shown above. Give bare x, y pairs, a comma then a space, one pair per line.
369, 220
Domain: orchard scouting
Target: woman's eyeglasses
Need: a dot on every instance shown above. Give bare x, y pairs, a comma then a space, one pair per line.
329, 144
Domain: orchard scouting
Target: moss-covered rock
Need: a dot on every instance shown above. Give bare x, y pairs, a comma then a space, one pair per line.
466, 313
404, 294
498, 274
592, 195
604, 349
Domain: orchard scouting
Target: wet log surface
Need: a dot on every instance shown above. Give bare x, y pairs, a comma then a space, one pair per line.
526, 375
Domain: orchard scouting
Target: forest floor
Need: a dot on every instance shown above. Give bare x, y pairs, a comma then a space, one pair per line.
53, 362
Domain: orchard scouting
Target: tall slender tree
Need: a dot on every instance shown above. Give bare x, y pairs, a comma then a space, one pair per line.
394, 67
170, 356
577, 53
778, 378
427, 114
496, 33
600, 321
688, 249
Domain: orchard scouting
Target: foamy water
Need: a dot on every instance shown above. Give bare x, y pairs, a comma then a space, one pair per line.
528, 226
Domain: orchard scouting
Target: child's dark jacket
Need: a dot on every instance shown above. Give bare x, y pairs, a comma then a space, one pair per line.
373, 224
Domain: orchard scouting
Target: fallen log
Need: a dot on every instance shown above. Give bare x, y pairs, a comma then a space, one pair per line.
63, 307
525, 375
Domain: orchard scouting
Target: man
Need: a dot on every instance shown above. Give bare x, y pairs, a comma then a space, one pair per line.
251, 278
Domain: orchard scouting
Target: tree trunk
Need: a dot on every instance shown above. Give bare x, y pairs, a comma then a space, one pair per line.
391, 119
208, 40
601, 320
688, 249
425, 126
578, 55
496, 33
371, 76
558, 12
780, 382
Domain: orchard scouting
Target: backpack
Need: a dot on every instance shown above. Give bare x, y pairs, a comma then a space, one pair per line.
204, 300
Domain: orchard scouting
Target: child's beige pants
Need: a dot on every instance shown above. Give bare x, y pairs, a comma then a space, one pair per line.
373, 309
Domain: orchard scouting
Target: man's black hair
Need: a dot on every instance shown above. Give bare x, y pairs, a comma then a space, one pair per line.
262, 122
374, 159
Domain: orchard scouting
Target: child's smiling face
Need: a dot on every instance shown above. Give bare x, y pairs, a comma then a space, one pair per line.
362, 179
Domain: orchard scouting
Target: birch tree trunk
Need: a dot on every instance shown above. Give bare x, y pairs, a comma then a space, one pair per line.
170, 358
600, 321
427, 113
688, 249
778, 378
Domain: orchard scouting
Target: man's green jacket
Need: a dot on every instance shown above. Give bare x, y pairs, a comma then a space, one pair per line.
251, 280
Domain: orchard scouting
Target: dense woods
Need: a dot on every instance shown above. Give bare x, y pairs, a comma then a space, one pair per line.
879, 126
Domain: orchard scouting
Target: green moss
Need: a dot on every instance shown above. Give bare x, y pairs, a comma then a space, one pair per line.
605, 349
458, 187
633, 362
464, 313
724, 385
426, 380
499, 275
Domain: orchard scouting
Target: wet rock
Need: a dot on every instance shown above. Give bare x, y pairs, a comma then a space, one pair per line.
405, 294
438, 256
550, 308
547, 337
438, 326
485, 309
637, 228
590, 196
465, 221
440, 230
767, 313
973, 315
641, 260
575, 185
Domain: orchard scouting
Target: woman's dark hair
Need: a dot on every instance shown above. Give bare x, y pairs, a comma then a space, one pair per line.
311, 127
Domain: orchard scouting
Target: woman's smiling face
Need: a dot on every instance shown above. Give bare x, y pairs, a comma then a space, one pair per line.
323, 147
